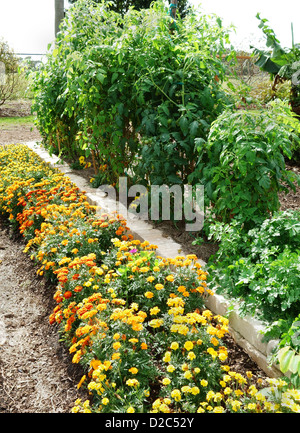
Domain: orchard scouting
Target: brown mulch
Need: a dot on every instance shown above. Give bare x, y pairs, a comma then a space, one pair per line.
36, 372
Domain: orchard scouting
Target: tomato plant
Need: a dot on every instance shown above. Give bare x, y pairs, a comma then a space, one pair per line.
131, 94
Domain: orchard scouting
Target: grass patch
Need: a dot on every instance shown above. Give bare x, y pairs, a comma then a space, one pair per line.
7, 121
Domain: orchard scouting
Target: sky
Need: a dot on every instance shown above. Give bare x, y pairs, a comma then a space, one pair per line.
28, 25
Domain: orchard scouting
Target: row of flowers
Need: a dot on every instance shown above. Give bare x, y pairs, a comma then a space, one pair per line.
136, 322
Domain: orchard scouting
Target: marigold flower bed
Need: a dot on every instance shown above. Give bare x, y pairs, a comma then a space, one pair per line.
136, 322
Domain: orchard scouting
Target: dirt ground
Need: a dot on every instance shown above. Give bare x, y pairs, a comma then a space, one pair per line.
21, 133
36, 372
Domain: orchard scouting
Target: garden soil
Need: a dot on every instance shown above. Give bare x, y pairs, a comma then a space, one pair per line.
20, 133
36, 372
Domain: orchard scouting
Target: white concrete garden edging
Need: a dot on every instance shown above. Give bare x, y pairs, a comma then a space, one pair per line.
246, 331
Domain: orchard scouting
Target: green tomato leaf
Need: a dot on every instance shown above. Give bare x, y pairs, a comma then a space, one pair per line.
286, 360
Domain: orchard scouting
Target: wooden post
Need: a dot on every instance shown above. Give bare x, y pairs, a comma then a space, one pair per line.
172, 14
59, 14
173, 8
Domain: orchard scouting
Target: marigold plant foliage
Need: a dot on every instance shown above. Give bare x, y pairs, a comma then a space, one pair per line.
135, 321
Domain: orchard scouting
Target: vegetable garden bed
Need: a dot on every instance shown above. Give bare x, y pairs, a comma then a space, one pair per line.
105, 305
152, 106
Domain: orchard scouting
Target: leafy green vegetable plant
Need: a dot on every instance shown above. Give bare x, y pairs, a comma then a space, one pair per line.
260, 268
242, 164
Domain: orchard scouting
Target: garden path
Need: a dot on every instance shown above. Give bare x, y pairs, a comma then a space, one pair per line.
36, 374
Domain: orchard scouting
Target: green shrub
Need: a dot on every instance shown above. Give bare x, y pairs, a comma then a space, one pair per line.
260, 267
242, 164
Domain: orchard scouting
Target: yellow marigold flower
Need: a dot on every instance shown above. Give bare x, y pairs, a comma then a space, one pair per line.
214, 341
164, 408
185, 388
184, 367
212, 352
105, 401
176, 395
156, 404
188, 374
150, 279
149, 295
227, 378
260, 397
133, 340
195, 390
170, 368
132, 382
249, 374
225, 367
159, 286
154, 311
207, 313
204, 382
166, 381
218, 409
167, 357
174, 345
144, 269
130, 409
115, 356
156, 323
222, 356
188, 345
211, 330
210, 395
191, 356
170, 278
133, 370
227, 390
235, 404
200, 410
